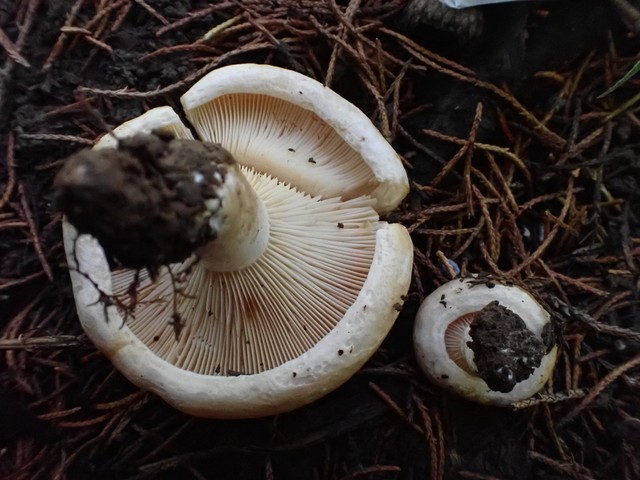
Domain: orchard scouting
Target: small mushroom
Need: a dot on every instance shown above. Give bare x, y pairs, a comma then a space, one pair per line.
301, 282
484, 341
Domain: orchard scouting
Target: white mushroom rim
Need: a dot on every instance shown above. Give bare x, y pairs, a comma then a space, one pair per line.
344, 272
437, 317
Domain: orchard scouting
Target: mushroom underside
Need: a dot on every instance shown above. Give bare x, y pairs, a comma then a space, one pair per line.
323, 367
261, 316
248, 348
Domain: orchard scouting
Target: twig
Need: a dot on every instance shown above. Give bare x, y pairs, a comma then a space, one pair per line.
194, 16
561, 467
102, 13
367, 471
120, 402
119, 20
12, 50
37, 244
394, 406
40, 343
599, 388
6, 283
345, 18
484, 146
568, 202
59, 45
152, 11
126, 93
98, 43
59, 414
549, 398
432, 441
466, 474
579, 284
50, 137
166, 442
11, 173
493, 236
7, 71
591, 321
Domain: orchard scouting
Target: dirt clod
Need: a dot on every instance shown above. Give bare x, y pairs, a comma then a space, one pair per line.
144, 200
505, 351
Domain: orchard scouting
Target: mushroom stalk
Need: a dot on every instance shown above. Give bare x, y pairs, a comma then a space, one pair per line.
242, 224
155, 200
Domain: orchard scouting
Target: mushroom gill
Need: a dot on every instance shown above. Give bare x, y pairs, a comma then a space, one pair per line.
256, 318
286, 141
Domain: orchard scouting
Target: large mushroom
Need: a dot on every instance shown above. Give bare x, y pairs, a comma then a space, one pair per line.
300, 281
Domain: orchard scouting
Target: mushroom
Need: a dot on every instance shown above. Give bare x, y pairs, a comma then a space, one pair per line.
484, 340
301, 281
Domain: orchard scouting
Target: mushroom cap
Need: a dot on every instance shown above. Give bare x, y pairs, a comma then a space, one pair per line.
321, 369
460, 297
162, 118
372, 260
294, 128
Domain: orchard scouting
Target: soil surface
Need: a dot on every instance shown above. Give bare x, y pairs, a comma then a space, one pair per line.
520, 170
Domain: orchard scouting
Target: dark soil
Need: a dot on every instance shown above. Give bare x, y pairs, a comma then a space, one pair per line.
505, 351
519, 171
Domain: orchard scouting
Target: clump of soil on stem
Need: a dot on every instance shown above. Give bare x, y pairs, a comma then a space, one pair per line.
146, 200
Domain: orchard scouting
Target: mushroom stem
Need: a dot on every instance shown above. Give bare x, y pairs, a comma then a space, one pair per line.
242, 224
155, 200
